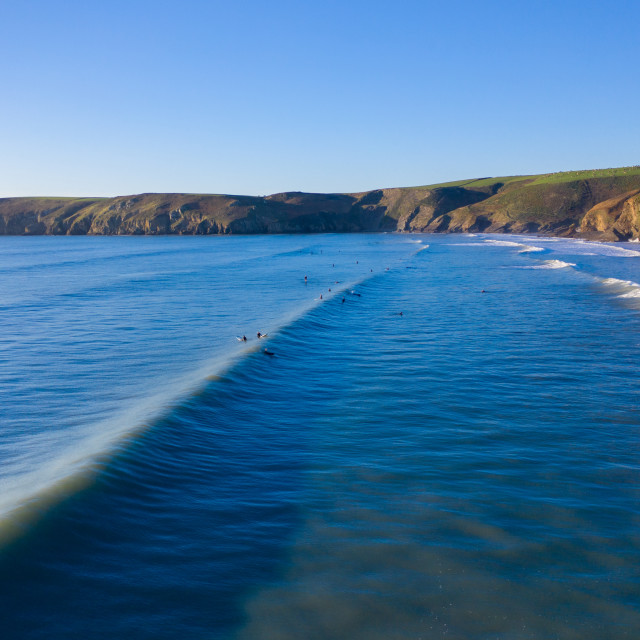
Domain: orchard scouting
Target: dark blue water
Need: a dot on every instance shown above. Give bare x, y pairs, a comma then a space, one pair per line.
468, 469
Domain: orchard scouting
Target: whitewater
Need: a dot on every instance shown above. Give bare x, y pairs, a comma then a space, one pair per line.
442, 445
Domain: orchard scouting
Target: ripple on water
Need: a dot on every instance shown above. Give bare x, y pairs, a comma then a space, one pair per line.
467, 469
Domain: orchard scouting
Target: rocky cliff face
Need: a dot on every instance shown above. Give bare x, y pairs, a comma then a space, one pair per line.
614, 219
597, 204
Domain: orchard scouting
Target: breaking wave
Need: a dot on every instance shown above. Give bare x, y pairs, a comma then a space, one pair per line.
523, 248
550, 264
622, 288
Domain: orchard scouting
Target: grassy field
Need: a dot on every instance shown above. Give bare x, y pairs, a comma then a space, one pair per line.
569, 176
543, 178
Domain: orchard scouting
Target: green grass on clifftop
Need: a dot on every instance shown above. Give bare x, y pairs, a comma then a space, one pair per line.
553, 203
544, 178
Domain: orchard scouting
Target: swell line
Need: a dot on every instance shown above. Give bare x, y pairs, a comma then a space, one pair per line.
26, 498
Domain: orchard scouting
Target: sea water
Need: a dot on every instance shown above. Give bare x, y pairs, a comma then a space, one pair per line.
444, 443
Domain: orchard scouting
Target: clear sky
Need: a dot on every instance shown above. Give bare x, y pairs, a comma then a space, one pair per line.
254, 97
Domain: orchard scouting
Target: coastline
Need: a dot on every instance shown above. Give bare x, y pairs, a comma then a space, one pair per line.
593, 205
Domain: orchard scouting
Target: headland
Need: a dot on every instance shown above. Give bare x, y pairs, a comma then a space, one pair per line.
602, 204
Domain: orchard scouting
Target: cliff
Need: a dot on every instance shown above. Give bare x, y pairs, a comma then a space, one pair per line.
614, 219
601, 204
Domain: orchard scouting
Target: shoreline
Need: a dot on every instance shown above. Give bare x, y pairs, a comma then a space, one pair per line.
574, 236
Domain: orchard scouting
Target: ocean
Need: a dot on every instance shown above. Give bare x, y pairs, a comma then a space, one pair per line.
441, 441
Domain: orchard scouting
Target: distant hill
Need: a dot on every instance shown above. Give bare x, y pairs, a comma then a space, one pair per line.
600, 204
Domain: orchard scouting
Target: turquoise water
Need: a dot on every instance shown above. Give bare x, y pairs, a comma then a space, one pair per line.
468, 469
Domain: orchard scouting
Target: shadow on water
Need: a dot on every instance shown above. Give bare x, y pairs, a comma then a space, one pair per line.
178, 526
467, 470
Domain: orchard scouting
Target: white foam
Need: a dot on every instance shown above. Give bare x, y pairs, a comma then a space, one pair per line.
622, 288
571, 245
524, 248
503, 243
590, 247
551, 264
624, 253
609, 250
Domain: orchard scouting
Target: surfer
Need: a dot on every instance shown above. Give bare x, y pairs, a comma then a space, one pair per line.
342, 300
269, 353
305, 279
320, 296
244, 338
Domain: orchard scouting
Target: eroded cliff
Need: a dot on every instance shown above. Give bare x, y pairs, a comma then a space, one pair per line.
602, 204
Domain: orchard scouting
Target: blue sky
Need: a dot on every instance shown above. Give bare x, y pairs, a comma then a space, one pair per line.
256, 97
